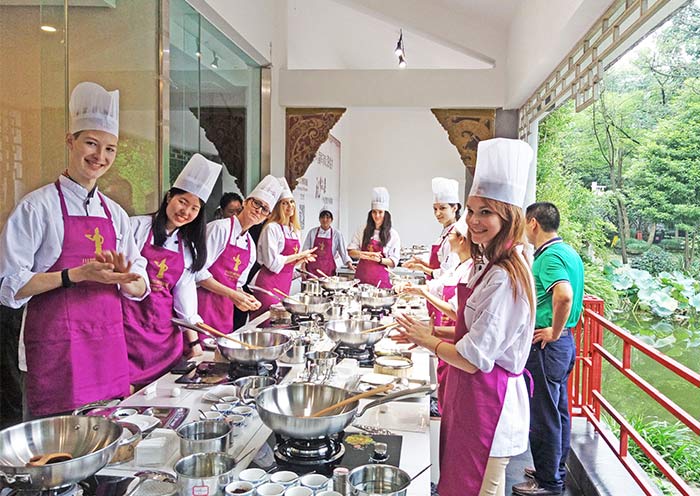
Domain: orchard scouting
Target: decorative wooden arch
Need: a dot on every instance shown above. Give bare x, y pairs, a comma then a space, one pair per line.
465, 128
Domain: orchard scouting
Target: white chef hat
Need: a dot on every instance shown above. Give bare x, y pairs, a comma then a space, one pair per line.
268, 190
198, 177
502, 167
380, 198
445, 190
286, 192
93, 107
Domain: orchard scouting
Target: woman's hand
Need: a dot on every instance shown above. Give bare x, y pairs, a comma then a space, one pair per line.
373, 256
415, 290
243, 301
416, 332
103, 272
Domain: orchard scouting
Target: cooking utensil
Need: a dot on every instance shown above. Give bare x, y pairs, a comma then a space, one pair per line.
213, 470
350, 332
126, 449
378, 480
265, 291
90, 440
419, 473
285, 409
306, 272
336, 283
153, 483
354, 397
285, 295
268, 346
396, 365
306, 304
204, 436
207, 330
373, 297
249, 387
40, 460
381, 328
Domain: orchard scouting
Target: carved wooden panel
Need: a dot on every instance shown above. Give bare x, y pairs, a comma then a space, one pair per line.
225, 127
307, 130
465, 128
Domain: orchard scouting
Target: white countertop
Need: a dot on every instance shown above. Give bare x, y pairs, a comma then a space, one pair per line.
409, 418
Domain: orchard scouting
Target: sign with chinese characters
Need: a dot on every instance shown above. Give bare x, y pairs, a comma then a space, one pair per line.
319, 188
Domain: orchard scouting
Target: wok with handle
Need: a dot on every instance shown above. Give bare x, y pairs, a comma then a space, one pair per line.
356, 333
268, 346
91, 442
285, 409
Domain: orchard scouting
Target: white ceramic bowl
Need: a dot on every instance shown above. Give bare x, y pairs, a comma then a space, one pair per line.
285, 477
254, 475
271, 489
248, 489
314, 481
300, 491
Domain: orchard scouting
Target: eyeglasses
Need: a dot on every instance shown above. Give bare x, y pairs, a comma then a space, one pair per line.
257, 205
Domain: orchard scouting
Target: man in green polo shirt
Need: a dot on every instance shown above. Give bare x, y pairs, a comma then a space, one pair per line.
558, 273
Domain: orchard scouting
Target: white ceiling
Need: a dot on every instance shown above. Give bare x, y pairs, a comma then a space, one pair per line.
497, 12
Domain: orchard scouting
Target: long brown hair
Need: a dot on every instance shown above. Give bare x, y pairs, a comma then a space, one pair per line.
384, 230
503, 249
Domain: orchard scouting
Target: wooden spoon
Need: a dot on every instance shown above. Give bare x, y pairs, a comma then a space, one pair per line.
291, 298
355, 397
323, 273
381, 328
48, 458
210, 330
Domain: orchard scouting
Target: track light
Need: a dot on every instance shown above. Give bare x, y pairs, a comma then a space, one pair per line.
48, 28
400, 51
215, 62
399, 45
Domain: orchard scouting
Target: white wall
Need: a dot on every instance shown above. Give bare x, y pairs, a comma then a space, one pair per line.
401, 149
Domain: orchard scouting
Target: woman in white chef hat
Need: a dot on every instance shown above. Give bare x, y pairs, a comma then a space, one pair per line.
231, 254
279, 251
377, 244
485, 417
67, 251
173, 241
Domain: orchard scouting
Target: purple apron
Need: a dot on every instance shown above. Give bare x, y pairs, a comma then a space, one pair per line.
325, 261
269, 280
470, 417
217, 310
74, 337
434, 263
153, 342
371, 272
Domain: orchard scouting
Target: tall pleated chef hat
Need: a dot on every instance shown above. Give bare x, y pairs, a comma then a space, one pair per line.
286, 191
445, 190
268, 190
94, 108
198, 177
380, 198
502, 167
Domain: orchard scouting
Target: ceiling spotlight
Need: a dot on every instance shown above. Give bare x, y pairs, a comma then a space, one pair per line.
402, 62
215, 63
198, 54
399, 45
48, 29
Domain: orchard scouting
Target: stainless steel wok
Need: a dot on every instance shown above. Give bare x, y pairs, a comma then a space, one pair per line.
373, 297
91, 440
349, 332
284, 409
274, 344
335, 283
303, 304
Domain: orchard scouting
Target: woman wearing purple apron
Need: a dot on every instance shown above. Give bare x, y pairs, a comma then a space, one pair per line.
279, 251
377, 245
232, 253
485, 419
329, 243
68, 251
446, 208
173, 242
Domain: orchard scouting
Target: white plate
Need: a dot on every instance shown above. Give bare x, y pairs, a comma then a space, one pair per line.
144, 422
377, 379
217, 392
209, 343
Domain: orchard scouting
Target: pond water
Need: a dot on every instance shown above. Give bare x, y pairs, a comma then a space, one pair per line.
628, 399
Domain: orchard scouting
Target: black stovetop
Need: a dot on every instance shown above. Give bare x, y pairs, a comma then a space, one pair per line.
359, 448
223, 372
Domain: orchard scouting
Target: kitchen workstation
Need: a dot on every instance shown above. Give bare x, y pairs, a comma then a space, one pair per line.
318, 402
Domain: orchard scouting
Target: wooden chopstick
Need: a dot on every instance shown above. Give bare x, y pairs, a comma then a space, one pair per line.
294, 300
323, 274
381, 328
371, 392
209, 329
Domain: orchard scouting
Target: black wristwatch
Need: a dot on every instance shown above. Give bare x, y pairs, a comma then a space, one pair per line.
195, 342
65, 280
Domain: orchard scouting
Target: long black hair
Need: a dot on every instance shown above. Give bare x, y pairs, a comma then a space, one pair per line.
193, 234
384, 230
458, 212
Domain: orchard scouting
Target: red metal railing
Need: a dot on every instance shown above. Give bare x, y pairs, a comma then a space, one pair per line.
587, 400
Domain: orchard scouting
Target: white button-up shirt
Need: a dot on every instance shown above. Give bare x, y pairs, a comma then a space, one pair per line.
448, 261
392, 249
500, 333
185, 289
218, 232
271, 244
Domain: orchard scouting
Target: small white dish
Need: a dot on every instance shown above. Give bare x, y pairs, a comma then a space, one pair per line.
208, 343
377, 379
285, 477
271, 489
211, 416
220, 392
300, 491
328, 493
255, 476
144, 422
246, 411
315, 482
240, 488
120, 413
223, 407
